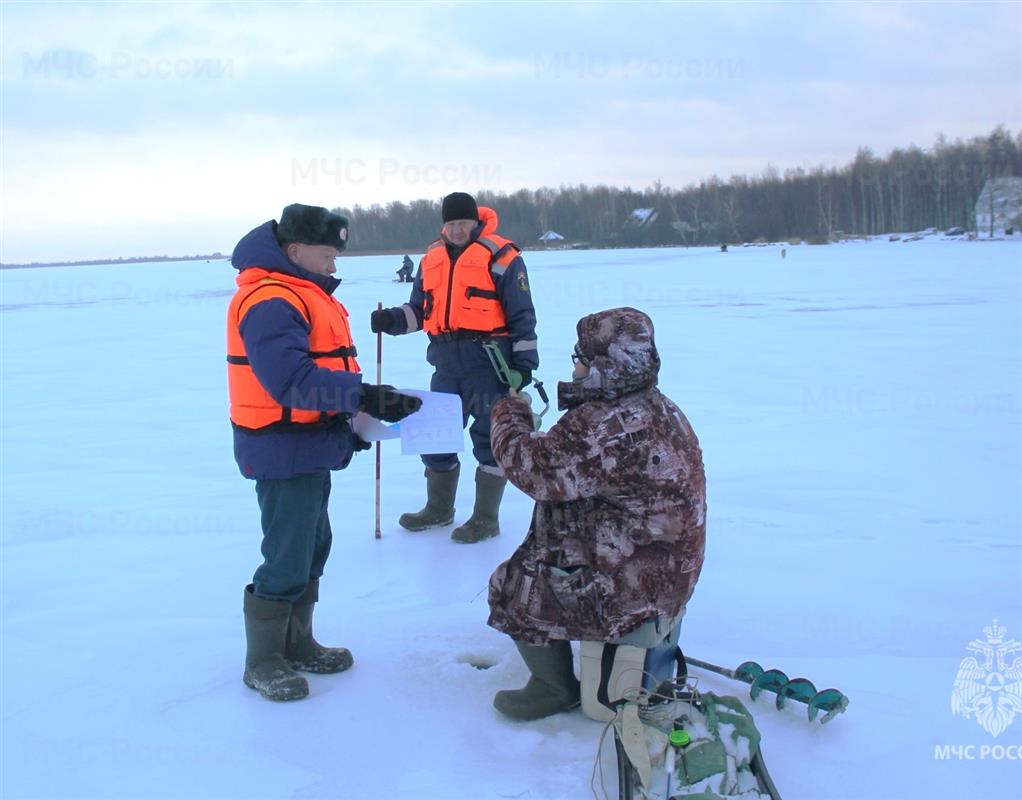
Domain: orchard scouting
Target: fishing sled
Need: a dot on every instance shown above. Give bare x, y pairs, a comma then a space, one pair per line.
674, 742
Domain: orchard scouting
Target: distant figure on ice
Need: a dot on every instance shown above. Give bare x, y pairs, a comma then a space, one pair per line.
293, 383
723, 248
471, 289
617, 536
404, 274
784, 253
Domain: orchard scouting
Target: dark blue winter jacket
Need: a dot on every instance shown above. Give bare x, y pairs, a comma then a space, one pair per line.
276, 340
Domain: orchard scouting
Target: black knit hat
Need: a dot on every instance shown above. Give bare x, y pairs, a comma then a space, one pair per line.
312, 225
459, 205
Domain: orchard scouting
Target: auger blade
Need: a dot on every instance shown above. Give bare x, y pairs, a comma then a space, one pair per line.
799, 689
771, 680
830, 700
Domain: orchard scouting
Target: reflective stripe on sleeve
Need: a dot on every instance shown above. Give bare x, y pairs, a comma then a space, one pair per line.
410, 318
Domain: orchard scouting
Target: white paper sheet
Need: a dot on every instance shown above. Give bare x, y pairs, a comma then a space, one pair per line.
370, 429
437, 427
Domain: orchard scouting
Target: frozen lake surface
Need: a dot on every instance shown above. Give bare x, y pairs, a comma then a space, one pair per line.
860, 412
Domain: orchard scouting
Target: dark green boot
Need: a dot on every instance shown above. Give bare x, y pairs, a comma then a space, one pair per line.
483, 522
441, 487
302, 651
552, 687
266, 671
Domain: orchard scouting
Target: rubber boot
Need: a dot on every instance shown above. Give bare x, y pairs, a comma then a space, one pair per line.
302, 651
483, 523
552, 687
266, 671
441, 487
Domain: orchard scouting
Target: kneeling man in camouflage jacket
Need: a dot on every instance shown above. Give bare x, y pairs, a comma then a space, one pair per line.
617, 535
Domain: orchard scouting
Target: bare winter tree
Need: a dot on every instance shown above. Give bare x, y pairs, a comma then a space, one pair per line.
910, 189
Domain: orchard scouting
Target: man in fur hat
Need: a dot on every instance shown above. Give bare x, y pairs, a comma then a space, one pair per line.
294, 383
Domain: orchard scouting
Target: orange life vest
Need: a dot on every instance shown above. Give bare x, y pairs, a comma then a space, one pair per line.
463, 296
330, 346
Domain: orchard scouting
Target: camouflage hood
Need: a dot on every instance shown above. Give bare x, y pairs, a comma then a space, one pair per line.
622, 356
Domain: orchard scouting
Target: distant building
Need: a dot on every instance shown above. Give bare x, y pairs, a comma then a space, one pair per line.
999, 206
551, 236
642, 217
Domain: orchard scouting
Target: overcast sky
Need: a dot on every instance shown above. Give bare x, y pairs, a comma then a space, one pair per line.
151, 128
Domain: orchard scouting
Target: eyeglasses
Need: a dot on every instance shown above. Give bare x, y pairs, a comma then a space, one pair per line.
578, 358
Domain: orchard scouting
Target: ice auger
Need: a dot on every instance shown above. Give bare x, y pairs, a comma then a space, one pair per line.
830, 701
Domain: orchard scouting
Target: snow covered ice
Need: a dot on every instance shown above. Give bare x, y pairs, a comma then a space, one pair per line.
859, 406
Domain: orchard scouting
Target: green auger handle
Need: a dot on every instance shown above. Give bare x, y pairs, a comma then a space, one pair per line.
513, 379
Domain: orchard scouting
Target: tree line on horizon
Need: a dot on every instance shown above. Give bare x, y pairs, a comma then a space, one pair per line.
910, 189
94, 262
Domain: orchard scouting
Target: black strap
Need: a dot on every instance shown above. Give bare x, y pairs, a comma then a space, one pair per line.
606, 667
463, 334
474, 291
340, 352
326, 422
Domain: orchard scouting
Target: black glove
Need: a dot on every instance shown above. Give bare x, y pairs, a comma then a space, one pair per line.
359, 444
384, 403
526, 377
380, 321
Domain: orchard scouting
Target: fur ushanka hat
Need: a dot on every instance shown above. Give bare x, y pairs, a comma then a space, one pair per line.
312, 225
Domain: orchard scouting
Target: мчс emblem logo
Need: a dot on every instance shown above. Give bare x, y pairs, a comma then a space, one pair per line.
989, 687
